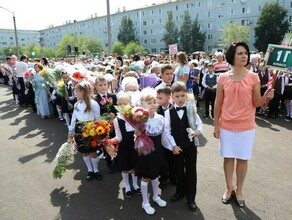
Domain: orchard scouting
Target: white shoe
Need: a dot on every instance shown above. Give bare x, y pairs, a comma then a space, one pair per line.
148, 209
160, 202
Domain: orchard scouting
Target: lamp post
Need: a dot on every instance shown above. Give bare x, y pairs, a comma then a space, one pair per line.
109, 31
15, 31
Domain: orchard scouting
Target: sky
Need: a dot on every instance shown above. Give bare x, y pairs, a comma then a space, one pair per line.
38, 15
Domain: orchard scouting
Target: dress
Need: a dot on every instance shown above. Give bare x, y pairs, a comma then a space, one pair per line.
79, 115
237, 119
43, 104
149, 166
127, 155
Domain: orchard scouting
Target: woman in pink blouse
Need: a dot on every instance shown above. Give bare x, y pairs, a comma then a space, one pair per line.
238, 95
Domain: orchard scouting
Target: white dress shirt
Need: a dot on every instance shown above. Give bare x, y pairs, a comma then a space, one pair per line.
167, 129
21, 68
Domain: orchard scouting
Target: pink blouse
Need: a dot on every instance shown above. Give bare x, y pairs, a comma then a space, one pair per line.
238, 110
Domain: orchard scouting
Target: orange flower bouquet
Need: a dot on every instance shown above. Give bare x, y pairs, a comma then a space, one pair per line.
93, 133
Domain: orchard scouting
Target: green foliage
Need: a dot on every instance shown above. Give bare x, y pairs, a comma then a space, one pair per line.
234, 32
5, 51
198, 38
271, 26
126, 31
48, 52
118, 48
170, 35
87, 43
185, 33
133, 48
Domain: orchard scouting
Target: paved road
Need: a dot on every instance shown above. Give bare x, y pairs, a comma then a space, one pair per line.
28, 191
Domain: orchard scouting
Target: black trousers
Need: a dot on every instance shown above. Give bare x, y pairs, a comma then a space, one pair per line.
21, 91
186, 163
209, 99
274, 105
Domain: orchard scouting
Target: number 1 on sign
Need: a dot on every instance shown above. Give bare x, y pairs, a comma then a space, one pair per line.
280, 54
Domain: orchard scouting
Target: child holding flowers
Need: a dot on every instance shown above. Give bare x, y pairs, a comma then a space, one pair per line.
126, 155
85, 110
148, 166
106, 101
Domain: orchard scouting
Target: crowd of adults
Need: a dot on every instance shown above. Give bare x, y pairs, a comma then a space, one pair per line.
199, 71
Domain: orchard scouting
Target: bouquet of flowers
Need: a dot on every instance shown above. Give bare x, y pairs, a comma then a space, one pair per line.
106, 103
191, 119
64, 158
62, 90
6, 70
137, 117
48, 77
94, 133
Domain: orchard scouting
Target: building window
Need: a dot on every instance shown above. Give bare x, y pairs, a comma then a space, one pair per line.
176, 7
160, 20
11, 38
160, 11
232, 12
260, 7
153, 41
219, 40
290, 19
145, 41
143, 13
291, 4
209, 49
161, 49
153, 50
137, 15
152, 22
209, 26
144, 22
209, 14
220, 16
145, 32
221, 4
152, 12
210, 36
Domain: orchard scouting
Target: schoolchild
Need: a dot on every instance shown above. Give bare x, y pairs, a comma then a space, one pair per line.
185, 151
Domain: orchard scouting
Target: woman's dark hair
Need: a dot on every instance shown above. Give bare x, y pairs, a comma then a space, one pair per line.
45, 60
23, 57
230, 53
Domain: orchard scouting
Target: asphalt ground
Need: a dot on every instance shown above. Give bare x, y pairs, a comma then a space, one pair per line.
28, 191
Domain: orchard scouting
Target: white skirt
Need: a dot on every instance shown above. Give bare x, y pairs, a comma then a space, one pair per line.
236, 144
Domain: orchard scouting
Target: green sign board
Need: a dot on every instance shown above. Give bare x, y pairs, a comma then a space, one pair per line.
279, 57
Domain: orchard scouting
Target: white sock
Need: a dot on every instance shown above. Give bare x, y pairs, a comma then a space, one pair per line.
16, 98
67, 118
135, 181
94, 162
144, 190
126, 181
87, 161
59, 112
155, 184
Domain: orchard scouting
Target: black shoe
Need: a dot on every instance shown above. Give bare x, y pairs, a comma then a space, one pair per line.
162, 185
138, 191
206, 116
128, 195
98, 176
89, 176
192, 206
176, 197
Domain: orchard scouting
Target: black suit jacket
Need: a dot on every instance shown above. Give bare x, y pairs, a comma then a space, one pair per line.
112, 109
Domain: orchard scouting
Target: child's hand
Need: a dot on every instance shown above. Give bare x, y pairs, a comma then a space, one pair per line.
112, 116
137, 132
176, 150
70, 136
196, 133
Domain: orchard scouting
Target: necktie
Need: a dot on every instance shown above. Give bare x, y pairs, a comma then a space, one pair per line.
103, 96
180, 108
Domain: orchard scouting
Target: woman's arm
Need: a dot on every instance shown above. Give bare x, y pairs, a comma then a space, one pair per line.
259, 100
217, 109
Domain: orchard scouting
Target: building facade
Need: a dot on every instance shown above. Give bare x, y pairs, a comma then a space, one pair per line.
149, 22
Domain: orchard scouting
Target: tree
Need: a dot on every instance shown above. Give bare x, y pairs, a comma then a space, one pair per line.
234, 32
92, 44
126, 31
170, 35
198, 38
271, 26
133, 48
118, 48
185, 33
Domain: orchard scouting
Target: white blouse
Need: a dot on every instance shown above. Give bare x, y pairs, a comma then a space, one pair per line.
118, 132
155, 125
80, 114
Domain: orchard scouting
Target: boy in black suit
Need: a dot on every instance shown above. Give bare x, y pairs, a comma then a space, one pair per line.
185, 151
106, 101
